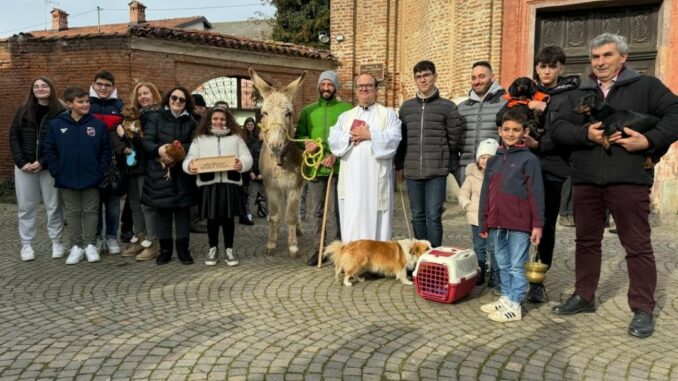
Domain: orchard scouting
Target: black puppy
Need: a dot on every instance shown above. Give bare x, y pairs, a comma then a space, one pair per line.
520, 93
595, 109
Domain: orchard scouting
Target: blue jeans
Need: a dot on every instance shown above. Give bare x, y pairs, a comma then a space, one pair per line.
426, 202
112, 205
482, 247
511, 250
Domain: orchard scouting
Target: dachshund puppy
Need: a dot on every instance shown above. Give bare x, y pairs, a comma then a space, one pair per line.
520, 93
595, 109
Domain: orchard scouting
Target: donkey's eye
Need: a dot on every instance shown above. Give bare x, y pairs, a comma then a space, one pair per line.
264, 113
288, 114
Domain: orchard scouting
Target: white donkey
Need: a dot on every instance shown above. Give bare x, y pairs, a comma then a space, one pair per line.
280, 160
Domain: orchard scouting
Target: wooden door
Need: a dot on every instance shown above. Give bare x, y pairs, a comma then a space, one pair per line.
572, 29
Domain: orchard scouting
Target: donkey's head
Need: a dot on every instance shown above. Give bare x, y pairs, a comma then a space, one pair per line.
277, 111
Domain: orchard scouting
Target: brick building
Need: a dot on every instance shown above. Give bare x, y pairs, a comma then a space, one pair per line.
166, 52
387, 37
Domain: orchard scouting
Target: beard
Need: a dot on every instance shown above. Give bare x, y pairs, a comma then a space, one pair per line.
327, 95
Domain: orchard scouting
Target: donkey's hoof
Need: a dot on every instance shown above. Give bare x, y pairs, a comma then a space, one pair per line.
270, 251
294, 252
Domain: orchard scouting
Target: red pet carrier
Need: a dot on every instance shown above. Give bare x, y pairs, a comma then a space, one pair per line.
446, 274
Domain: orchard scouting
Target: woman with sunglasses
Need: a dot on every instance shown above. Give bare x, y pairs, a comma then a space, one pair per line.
30, 179
144, 99
167, 188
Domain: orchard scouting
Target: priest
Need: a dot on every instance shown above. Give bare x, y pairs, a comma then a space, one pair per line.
365, 140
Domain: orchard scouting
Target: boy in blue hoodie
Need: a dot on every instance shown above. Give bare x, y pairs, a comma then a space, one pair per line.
511, 213
78, 150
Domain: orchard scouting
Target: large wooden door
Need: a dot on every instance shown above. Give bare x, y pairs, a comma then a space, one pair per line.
573, 29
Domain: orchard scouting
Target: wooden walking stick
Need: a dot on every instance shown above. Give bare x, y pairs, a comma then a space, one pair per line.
324, 223
407, 222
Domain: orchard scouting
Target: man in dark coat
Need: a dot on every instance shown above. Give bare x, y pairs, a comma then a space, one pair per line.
615, 179
550, 64
430, 130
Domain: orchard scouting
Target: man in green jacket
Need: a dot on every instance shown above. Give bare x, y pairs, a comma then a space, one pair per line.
314, 123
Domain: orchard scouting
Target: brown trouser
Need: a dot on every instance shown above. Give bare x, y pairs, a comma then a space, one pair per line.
630, 208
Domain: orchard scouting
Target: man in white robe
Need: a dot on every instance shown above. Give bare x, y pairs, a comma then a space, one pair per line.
365, 139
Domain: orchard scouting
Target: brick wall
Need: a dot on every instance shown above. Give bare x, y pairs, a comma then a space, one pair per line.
453, 34
75, 61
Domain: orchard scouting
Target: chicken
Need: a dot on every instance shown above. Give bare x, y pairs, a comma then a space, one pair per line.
176, 151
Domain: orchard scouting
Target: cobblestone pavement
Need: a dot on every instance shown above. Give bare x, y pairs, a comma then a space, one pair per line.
274, 318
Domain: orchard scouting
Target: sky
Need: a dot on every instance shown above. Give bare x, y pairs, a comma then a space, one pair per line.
28, 15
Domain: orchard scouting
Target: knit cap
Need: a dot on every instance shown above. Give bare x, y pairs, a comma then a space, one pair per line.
487, 147
331, 75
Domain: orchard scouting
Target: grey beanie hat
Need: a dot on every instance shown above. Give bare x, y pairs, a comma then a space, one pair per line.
331, 75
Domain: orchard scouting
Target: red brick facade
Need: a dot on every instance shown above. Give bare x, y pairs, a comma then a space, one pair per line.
456, 33
132, 58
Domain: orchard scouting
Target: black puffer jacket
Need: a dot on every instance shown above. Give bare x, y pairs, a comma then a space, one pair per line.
430, 131
478, 121
26, 138
591, 163
554, 161
161, 128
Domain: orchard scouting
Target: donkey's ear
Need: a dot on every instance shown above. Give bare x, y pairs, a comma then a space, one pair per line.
291, 89
264, 87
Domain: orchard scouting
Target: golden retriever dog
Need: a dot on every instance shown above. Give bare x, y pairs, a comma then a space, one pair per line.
383, 257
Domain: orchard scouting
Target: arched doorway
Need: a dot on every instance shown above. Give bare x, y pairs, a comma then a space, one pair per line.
237, 92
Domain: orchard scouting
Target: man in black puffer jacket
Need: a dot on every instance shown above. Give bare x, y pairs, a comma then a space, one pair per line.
430, 131
615, 179
550, 64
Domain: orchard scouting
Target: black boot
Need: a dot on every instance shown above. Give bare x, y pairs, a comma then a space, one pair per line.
313, 260
490, 279
182, 251
536, 293
481, 274
165, 251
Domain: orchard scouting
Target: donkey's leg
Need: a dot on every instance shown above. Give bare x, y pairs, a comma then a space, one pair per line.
292, 219
275, 200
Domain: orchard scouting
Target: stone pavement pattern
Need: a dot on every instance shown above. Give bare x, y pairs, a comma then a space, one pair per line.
274, 318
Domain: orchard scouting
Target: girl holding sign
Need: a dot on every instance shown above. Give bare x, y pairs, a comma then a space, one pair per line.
219, 135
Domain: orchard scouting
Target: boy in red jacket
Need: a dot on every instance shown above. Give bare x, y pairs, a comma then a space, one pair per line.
511, 213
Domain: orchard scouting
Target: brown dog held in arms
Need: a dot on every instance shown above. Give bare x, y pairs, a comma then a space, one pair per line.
383, 257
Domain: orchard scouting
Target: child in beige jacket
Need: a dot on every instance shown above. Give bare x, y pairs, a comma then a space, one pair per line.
469, 199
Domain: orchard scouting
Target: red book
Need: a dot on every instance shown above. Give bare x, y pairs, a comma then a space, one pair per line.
357, 123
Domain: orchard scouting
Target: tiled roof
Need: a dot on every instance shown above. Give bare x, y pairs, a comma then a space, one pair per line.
233, 42
118, 29
189, 35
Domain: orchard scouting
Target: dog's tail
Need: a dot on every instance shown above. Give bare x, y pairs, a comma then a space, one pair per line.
332, 249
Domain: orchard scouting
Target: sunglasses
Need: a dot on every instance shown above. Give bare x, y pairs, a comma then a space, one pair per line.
175, 98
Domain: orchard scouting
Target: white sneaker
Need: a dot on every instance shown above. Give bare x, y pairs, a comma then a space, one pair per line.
211, 259
57, 250
494, 306
511, 312
76, 255
113, 247
27, 253
101, 246
91, 253
231, 258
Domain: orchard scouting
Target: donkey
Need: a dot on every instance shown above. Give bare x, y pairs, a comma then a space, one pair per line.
280, 160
